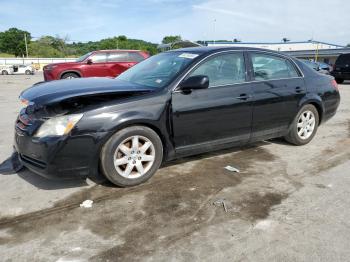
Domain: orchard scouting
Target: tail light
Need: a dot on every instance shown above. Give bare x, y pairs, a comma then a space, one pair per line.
334, 84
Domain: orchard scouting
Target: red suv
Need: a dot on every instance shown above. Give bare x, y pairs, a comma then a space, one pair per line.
97, 63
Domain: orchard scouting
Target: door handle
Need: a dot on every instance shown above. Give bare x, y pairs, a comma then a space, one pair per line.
243, 97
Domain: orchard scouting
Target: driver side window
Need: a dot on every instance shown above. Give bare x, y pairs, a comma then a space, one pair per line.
99, 58
224, 69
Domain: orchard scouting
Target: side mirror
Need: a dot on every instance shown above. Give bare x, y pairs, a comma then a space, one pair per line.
89, 61
195, 82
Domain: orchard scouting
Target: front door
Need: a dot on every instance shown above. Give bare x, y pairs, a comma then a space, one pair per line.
97, 65
221, 114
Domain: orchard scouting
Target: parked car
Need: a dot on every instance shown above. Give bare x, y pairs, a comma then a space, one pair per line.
341, 68
6, 70
324, 66
23, 69
315, 66
101, 63
173, 104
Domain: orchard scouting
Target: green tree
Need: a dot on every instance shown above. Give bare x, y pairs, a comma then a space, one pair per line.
12, 41
42, 49
171, 39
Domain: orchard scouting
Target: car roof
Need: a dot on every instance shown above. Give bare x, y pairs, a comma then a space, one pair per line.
117, 50
208, 49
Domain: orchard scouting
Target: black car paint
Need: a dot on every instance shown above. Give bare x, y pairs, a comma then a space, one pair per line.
341, 69
187, 122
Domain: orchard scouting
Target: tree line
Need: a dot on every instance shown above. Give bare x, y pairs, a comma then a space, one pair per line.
12, 41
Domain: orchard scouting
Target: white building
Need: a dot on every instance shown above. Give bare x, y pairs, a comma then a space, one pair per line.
283, 46
313, 50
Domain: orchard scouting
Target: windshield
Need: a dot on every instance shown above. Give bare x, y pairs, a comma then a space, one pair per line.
159, 70
82, 58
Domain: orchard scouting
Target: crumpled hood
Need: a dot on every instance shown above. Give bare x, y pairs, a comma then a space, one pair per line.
45, 93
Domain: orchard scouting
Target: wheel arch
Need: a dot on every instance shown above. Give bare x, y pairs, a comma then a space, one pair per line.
167, 146
70, 71
316, 101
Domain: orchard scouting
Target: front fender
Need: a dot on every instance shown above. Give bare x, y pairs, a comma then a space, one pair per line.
153, 114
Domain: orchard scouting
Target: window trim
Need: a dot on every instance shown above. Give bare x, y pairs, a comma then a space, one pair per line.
249, 68
281, 56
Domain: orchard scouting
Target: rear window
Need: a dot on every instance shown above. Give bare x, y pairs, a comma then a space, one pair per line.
118, 57
343, 59
269, 67
135, 57
125, 57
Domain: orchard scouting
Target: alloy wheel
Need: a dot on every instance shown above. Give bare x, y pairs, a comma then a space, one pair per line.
134, 157
306, 124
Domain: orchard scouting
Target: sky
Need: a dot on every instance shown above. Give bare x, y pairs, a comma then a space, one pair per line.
151, 20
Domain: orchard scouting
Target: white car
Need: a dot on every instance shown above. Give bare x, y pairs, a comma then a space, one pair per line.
23, 69
6, 70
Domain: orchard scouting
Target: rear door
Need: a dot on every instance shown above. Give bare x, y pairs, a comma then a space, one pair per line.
118, 62
219, 115
278, 87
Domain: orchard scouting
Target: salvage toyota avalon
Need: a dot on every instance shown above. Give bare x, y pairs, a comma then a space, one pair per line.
174, 104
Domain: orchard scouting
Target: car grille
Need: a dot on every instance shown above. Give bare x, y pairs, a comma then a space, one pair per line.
33, 161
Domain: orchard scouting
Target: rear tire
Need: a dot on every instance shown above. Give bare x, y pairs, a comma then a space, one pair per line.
70, 76
304, 126
28, 72
4, 72
131, 156
339, 81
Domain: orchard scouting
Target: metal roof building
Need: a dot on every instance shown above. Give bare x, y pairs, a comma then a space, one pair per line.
313, 50
281, 46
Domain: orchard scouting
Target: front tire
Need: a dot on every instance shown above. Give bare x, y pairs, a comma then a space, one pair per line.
4, 72
131, 156
304, 126
69, 76
28, 72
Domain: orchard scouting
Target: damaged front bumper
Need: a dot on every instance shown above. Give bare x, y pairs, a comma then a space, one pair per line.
59, 157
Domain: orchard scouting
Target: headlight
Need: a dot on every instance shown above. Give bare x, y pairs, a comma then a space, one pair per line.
58, 126
49, 67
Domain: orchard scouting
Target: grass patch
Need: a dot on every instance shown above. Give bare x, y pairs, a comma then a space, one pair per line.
6, 55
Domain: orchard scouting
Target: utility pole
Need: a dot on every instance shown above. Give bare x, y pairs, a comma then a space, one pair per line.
25, 41
214, 30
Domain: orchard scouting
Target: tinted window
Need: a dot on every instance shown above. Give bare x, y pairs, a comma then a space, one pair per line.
135, 57
118, 57
98, 58
268, 67
223, 69
343, 60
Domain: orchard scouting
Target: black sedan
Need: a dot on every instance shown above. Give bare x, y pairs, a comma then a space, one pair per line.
174, 104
